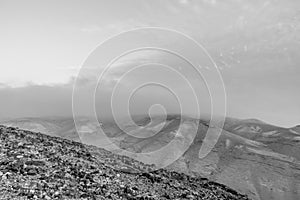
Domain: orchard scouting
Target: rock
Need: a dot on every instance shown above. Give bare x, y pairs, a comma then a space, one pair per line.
56, 193
190, 196
47, 197
67, 171
32, 172
35, 162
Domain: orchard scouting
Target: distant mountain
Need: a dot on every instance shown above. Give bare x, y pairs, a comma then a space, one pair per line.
296, 130
50, 126
251, 156
37, 166
54, 126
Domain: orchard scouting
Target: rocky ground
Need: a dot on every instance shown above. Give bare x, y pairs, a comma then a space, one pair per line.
37, 166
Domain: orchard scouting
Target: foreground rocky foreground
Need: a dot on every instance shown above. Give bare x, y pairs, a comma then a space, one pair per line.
37, 166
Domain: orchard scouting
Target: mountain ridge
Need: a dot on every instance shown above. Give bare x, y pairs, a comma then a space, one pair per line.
38, 166
252, 157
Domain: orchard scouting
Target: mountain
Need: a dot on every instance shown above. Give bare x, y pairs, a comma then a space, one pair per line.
251, 156
54, 126
37, 166
296, 130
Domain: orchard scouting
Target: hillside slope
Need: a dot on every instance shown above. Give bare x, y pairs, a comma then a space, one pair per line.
37, 166
251, 156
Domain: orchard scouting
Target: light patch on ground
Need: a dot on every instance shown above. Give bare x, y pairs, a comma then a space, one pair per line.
270, 133
146, 131
242, 140
297, 138
270, 153
295, 132
248, 129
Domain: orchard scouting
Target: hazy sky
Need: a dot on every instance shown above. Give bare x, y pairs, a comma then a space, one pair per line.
255, 44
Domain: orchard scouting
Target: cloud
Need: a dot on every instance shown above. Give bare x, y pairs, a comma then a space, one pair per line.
256, 43
211, 2
114, 27
92, 29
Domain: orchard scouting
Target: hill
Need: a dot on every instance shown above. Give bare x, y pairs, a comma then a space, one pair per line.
251, 156
37, 166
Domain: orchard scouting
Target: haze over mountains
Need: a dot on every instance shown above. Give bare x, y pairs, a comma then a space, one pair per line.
252, 157
255, 44
113, 59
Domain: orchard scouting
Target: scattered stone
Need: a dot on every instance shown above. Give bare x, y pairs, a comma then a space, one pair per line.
63, 169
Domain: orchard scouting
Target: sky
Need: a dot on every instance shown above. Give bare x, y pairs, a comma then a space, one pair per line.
255, 45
